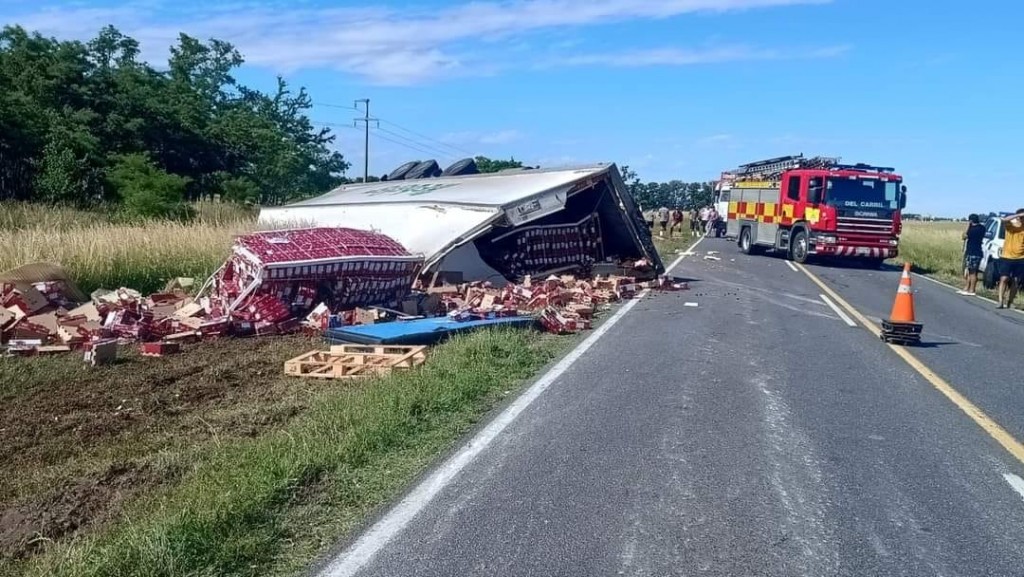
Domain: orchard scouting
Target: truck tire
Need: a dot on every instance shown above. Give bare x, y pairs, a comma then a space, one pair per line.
799, 246
988, 278
746, 244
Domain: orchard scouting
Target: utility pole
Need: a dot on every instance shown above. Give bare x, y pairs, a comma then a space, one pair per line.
366, 144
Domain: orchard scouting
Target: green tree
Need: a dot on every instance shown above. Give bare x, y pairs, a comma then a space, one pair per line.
144, 189
486, 165
632, 180
74, 117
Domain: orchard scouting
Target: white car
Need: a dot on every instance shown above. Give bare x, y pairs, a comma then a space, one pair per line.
992, 249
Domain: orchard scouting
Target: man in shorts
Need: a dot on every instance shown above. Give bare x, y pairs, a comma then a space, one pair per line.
677, 222
663, 220
694, 222
972, 237
1011, 262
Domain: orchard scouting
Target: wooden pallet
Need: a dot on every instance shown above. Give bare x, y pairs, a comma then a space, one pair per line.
355, 361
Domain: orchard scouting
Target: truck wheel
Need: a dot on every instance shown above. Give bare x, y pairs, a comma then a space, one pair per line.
746, 247
988, 279
799, 246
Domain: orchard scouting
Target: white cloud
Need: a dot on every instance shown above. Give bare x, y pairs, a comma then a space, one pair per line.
501, 137
683, 57
471, 138
389, 45
718, 138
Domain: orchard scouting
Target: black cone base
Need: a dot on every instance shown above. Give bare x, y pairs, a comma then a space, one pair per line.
901, 333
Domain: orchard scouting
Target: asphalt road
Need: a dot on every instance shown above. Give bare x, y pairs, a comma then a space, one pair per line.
754, 434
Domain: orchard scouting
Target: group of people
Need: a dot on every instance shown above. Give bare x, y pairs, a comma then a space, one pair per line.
1009, 267
702, 222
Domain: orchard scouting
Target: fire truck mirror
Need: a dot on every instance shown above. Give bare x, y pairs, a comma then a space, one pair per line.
814, 194
814, 190
903, 197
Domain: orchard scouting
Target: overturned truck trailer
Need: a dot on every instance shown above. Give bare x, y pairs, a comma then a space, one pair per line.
492, 226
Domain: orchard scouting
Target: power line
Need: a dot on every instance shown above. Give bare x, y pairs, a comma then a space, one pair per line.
435, 150
440, 149
410, 145
425, 137
343, 107
420, 135
366, 120
415, 147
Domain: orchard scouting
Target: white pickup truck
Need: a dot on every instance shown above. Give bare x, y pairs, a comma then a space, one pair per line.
992, 249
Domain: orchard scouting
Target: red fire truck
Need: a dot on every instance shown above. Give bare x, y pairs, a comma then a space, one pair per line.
804, 207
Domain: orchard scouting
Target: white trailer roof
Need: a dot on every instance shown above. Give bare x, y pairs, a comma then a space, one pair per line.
433, 216
498, 189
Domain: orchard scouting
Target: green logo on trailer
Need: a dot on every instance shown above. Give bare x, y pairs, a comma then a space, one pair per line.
408, 189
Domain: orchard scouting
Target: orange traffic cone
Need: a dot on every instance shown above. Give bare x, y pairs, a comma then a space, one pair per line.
902, 327
903, 306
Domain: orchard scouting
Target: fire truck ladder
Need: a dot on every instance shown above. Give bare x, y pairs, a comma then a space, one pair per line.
773, 168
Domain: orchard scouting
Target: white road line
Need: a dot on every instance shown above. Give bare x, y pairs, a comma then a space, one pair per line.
1016, 482
689, 252
350, 561
842, 314
790, 263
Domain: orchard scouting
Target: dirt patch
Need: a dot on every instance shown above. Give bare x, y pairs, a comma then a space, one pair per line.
95, 433
27, 528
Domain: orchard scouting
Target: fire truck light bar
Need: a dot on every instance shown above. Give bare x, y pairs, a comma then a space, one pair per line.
860, 166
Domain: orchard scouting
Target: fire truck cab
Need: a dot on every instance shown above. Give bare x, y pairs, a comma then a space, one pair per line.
804, 207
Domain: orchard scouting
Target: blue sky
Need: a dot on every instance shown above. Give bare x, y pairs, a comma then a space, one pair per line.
674, 88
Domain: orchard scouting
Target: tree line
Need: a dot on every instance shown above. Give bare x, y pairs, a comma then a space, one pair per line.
671, 194
89, 122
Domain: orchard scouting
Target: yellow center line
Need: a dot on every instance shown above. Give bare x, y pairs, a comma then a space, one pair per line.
991, 427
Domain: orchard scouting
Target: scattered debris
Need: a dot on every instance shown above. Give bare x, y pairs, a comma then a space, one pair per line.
690, 304
711, 257
354, 361
102, 352
278, 282
272, 280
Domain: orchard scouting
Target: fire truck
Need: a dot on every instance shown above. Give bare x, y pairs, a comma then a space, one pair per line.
805, 207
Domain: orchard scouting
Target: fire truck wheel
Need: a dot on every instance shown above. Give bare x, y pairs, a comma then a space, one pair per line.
799, 247
747, 246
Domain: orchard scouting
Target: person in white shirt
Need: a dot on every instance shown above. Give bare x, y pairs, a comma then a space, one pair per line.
663, 220
712, 221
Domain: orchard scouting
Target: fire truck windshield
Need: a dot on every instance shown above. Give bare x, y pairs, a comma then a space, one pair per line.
862, 193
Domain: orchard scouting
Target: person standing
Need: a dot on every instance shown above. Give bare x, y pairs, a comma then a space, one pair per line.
712, 227
694, 222
677, 222
663, 220
703, 219
1011, 262
972, 237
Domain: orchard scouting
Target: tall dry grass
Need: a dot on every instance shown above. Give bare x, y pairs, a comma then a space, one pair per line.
934, 248
99, 249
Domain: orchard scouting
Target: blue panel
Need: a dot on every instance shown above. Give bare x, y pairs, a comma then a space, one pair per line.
416, 332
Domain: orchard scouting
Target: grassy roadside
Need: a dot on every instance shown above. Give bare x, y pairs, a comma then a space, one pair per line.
935, 249
212, 462
99, 250
669, 247
267, 505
